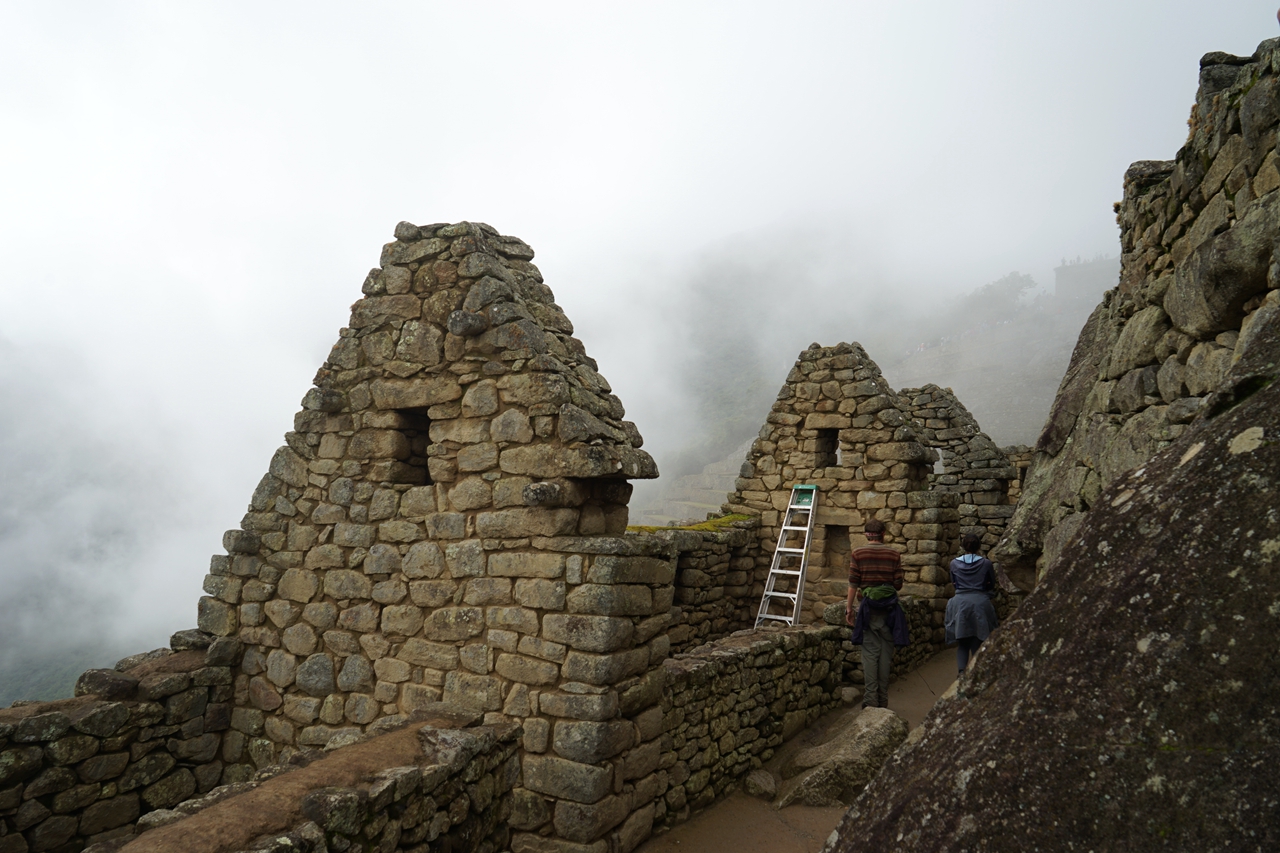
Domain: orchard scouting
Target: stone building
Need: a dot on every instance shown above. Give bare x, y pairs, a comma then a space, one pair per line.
871, 451
437, 560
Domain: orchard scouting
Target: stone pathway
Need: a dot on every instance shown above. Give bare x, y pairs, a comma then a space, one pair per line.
743, 824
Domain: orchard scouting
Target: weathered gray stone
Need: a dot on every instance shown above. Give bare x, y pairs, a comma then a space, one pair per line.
589, 633
611, 600
582, 822
1136, 346
424, 560
465, 559
565, 779
315, 675
527, 670
347, 584
835, 772
526, 565
454, 623
107, 684
511, 426
425, 653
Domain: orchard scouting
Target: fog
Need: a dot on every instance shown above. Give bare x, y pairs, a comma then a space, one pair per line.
194, 192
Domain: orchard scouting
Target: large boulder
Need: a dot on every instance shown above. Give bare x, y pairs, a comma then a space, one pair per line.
835, 772
1133, 702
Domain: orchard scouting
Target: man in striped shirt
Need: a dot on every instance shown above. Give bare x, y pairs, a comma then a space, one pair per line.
875, 575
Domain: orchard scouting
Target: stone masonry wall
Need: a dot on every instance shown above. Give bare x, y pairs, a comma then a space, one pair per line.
838, 425
147, 737
728, 705
972, 466
444, 524
454, 794
1199, 282
715, 571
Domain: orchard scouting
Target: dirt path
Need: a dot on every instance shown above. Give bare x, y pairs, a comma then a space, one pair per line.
742, 824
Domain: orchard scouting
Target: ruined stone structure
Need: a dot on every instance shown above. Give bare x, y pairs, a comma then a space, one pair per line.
1197, 285
871, 451
441, 539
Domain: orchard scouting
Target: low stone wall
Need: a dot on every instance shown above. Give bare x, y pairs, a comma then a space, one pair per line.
714, 584
455, 796
928, 636
78, 771
729, 704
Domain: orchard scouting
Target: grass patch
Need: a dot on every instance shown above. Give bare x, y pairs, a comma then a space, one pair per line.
711, 525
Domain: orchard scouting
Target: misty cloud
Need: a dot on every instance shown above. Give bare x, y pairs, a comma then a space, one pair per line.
194, 193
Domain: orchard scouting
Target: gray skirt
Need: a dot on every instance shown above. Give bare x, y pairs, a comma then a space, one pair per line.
970, 614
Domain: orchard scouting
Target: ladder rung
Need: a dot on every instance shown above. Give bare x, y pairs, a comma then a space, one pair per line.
791, 550
794, 527
786, 572
774, 616
790, 595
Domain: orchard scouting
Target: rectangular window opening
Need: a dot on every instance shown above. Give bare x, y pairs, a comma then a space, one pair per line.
415, 426
827, 449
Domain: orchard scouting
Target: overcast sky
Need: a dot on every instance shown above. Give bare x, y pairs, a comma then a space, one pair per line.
193, 193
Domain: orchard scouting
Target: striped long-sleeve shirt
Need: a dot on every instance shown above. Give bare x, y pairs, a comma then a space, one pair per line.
875, 564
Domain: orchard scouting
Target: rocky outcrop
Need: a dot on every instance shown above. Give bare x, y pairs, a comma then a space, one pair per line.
835, 772
1198, 284
1133, 702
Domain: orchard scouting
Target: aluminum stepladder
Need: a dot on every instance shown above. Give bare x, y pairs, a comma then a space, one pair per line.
784, 588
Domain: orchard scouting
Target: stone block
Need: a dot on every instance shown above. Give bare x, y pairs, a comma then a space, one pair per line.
406, 531
535, 521
432, 594
347, 584
298, 585
480, 591
517, 619
410, 394
540, 594
217, 617
604, 669
588, 633
481, 692
526, 565
109, 813
402, 619
511, 426
423, 560
527, 670
580, 706
315, 675
454, 623
611, 600
565, 779
586, 822
613, 570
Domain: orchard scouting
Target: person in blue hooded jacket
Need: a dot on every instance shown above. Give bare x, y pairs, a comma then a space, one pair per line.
970, 614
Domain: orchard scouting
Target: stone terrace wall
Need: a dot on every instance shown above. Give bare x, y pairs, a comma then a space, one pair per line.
78, 771
1199, 282
715, 576
729, 704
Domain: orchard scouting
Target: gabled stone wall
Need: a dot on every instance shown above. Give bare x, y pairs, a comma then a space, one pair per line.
838, 425
972, 466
